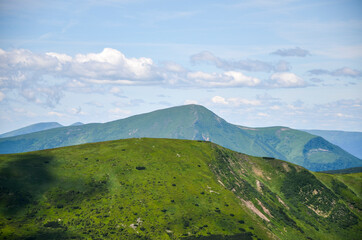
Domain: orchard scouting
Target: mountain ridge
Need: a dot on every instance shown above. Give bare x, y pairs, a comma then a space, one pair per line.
31, 128
198, 123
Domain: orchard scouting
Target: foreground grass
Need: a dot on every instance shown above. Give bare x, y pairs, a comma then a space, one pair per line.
167, 189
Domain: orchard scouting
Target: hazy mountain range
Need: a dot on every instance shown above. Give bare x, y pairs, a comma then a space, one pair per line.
196, 123
171, 189
35, 128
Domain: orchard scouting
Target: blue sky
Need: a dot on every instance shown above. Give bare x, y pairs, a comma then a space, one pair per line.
255, 63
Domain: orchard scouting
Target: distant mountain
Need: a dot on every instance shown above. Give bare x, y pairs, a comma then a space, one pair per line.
198, 123
77, 124
171, 189
349, 141
31, 129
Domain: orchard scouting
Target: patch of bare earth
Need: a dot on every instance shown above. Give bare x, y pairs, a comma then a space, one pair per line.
319, 212
258, 172
251, 206
258, 186
286, 167
264, 208
282, 202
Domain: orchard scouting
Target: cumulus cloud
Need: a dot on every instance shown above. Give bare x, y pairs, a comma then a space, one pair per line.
341, 72
219, 100
292, 52
110, 64
286, 80
44, 78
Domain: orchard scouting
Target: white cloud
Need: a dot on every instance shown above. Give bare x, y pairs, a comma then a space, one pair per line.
219, 100
226, 79
109, 64
2, 96
112, 64
286, 80
43, 78
239, 79
63, 58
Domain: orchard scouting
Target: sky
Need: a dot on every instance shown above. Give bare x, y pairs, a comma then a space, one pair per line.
255, 63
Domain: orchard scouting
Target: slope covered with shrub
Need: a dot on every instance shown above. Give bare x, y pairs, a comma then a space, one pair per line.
170, 189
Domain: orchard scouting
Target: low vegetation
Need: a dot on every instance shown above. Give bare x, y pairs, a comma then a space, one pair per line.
170, 189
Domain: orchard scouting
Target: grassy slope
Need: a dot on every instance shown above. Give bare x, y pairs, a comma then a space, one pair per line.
195, 122
349, 141
309, 151
187, 189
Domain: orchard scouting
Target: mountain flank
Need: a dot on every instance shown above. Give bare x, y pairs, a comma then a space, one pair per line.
195, 122
349, 141
171, 189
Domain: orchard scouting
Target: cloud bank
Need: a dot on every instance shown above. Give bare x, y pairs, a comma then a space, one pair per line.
43, 78
341, 72
249, 65
292, 52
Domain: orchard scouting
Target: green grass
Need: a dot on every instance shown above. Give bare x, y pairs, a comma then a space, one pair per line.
167, 189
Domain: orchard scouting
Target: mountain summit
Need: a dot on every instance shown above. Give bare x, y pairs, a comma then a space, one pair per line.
196, 122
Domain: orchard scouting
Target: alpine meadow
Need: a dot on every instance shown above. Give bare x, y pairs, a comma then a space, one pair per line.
181, 120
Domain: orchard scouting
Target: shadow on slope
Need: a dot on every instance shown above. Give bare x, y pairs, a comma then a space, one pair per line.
22, 180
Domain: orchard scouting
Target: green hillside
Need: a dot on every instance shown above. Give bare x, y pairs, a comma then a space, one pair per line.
195, 123
349, 141
171, 189
345, 171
